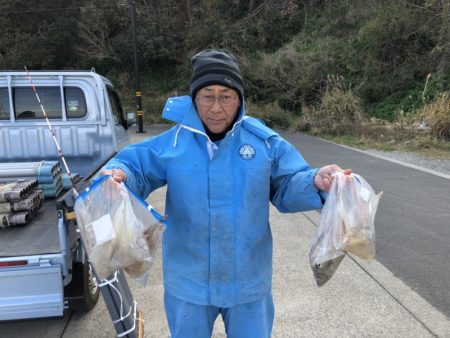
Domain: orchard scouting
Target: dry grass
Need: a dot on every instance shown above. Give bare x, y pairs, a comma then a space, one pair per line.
340, 118
387, 136
271, 113
339, 105
435, 116
340, 111
153, 106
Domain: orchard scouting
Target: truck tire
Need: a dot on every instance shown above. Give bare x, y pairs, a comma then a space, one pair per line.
85, 281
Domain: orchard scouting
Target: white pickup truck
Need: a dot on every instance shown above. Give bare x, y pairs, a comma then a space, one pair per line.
43, 266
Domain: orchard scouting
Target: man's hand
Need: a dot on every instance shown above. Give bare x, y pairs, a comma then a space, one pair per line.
118, 175
323, 178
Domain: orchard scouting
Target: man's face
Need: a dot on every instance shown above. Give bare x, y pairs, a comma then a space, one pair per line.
217, 107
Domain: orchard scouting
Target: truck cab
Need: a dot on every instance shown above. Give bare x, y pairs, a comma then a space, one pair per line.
83, 108
43, 266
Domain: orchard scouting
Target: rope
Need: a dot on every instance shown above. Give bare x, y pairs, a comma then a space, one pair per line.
109, 282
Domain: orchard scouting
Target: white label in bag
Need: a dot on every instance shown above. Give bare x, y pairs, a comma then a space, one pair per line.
100, 231
365, 194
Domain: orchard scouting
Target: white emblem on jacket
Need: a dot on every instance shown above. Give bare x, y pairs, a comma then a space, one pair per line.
247, 152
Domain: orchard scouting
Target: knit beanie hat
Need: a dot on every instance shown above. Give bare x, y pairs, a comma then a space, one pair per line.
215, 67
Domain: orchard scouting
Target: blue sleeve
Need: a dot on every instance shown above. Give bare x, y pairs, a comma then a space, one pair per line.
292, 187
144, 166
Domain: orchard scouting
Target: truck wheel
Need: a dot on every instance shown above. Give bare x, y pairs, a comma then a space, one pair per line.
85, 281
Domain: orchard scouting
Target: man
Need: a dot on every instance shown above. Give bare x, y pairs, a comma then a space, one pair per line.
221, 168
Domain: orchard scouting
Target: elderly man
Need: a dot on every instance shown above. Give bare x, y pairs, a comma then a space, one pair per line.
222, 168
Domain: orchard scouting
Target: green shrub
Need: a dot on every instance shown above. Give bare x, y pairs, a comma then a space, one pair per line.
408, 101
391, 52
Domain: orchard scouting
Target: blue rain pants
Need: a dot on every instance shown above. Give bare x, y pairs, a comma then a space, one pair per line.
248, 320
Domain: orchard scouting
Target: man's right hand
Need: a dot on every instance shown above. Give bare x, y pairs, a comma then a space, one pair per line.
118, 175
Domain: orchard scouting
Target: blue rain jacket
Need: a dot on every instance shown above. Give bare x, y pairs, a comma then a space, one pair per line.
217, 248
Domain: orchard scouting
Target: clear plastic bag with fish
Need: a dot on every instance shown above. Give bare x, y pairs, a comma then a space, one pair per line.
346, 224
118, 229
357, 206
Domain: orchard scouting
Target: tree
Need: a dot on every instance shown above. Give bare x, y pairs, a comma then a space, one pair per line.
36, 33
103, 30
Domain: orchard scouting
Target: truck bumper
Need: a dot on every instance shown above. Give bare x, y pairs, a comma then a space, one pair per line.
31, 292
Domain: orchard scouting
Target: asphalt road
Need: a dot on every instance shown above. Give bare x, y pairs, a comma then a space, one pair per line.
412, 221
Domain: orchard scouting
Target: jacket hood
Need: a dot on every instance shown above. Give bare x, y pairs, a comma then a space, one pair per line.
182, 110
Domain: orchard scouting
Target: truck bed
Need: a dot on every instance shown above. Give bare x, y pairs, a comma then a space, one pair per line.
40, 236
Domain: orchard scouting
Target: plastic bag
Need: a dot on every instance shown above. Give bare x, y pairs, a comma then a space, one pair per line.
357, 207
346, 225
119, 230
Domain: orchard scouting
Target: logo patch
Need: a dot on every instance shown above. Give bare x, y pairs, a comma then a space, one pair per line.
247, 152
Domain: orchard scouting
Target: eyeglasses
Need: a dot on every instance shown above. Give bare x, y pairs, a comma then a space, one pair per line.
209, 100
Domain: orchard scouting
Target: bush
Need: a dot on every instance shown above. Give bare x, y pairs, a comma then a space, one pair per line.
295, 75
340, 110
408, 101
153, 107
271, 114
391, 50
436, 116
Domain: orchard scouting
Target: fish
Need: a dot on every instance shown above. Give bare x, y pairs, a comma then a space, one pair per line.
324, 271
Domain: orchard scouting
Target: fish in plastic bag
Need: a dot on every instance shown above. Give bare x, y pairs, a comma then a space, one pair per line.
118, 229
324, 258
357, 205
346, 224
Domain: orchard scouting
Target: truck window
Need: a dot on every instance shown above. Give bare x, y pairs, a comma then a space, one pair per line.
75, 102
26, 105
4, 104
116, 108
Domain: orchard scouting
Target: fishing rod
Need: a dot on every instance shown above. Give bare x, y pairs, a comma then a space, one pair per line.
52, 131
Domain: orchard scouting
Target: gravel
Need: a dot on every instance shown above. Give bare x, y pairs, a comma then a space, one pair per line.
442, 166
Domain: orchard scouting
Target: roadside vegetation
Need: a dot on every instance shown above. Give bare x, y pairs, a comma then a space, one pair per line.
340, 117
370, 73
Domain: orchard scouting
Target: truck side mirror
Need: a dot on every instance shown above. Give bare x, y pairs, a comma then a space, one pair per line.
131, 118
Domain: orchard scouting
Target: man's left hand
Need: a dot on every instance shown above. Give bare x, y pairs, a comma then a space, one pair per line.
323, 179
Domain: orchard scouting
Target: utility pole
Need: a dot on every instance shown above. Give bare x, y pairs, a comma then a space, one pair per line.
139, 113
